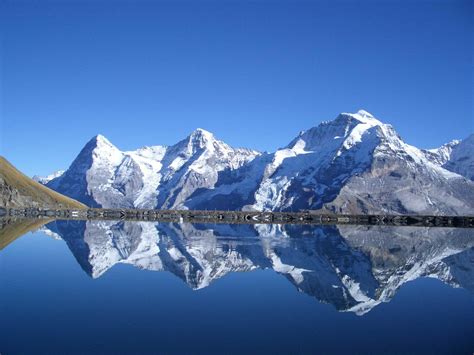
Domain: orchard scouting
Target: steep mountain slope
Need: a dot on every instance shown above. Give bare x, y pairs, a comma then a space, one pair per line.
354, 164
89, 179
457, 156
163, 177
18, 190
402, 180
193, 164
441, 155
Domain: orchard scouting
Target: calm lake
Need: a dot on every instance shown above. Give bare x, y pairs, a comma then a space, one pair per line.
141, 287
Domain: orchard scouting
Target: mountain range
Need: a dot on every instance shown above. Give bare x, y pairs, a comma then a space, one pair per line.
352, 164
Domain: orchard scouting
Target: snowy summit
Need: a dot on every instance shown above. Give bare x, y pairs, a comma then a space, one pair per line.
352, 164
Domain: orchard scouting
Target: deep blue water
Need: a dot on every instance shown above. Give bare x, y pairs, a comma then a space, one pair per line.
122, 288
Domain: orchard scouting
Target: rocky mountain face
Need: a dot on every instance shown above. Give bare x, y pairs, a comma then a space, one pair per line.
353, 164
354, 269
456, 156
150, 177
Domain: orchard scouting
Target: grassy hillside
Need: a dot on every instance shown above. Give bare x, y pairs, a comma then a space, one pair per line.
18, 190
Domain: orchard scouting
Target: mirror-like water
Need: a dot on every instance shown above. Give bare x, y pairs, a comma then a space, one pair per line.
139, 287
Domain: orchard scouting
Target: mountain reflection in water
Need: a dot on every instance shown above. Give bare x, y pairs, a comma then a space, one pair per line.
352, 268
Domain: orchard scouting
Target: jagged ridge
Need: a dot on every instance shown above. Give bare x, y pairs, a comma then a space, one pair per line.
353, 164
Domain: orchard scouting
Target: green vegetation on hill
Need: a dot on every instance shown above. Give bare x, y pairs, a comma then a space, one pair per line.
18, 190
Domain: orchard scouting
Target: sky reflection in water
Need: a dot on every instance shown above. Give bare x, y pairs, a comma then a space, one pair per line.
234, 288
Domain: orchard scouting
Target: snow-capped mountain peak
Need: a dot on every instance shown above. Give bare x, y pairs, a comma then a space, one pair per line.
100, 138
352, 164
456, 156
150, 177
100, 141
104, 155
99, 147
45, 179
461, 158
345, 131
442, 154
363, 117
365, 113
201, 139
201, 134
195, 142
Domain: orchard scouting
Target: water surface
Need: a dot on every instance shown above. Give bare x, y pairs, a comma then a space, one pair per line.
140, 287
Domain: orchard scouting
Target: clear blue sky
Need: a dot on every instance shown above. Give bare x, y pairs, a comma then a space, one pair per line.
253, 73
